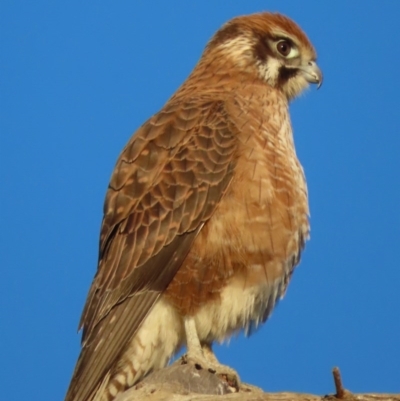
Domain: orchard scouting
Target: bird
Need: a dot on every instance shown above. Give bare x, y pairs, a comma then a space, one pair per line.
206, 213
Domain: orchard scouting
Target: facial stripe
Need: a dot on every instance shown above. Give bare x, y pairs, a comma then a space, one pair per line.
285, 74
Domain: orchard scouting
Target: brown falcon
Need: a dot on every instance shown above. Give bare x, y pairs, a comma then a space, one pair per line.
206, 213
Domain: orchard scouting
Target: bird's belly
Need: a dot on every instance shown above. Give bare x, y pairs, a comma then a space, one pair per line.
237, 270
239, 307
242, 260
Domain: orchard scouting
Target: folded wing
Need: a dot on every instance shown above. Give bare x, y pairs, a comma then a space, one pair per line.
166, 184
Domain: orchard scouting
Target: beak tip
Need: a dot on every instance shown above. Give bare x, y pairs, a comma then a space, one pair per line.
313, 74
319, 78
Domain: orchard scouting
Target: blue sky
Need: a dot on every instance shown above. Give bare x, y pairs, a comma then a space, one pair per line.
78, 78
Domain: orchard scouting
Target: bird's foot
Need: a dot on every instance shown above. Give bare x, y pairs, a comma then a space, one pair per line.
225, 373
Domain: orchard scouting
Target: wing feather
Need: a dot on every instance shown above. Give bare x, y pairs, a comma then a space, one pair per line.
166, 184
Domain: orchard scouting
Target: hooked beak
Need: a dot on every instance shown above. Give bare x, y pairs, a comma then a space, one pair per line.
312, 73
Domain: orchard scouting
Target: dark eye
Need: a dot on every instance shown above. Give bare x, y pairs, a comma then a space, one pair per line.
284, 47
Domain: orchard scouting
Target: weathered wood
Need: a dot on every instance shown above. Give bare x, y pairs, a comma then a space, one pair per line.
187, 383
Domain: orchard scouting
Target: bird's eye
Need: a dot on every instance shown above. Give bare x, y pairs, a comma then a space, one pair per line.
283, 47
286, 49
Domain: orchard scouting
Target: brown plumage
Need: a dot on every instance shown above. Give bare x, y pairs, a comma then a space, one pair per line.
206, 212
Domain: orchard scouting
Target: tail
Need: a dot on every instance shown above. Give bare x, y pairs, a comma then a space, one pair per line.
158, 338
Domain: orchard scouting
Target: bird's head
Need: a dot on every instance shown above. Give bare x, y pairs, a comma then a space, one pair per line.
270, 46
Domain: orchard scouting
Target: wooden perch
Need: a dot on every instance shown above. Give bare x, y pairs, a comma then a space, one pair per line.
187, 383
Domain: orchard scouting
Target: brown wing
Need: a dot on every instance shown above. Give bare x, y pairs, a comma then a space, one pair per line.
165, 186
